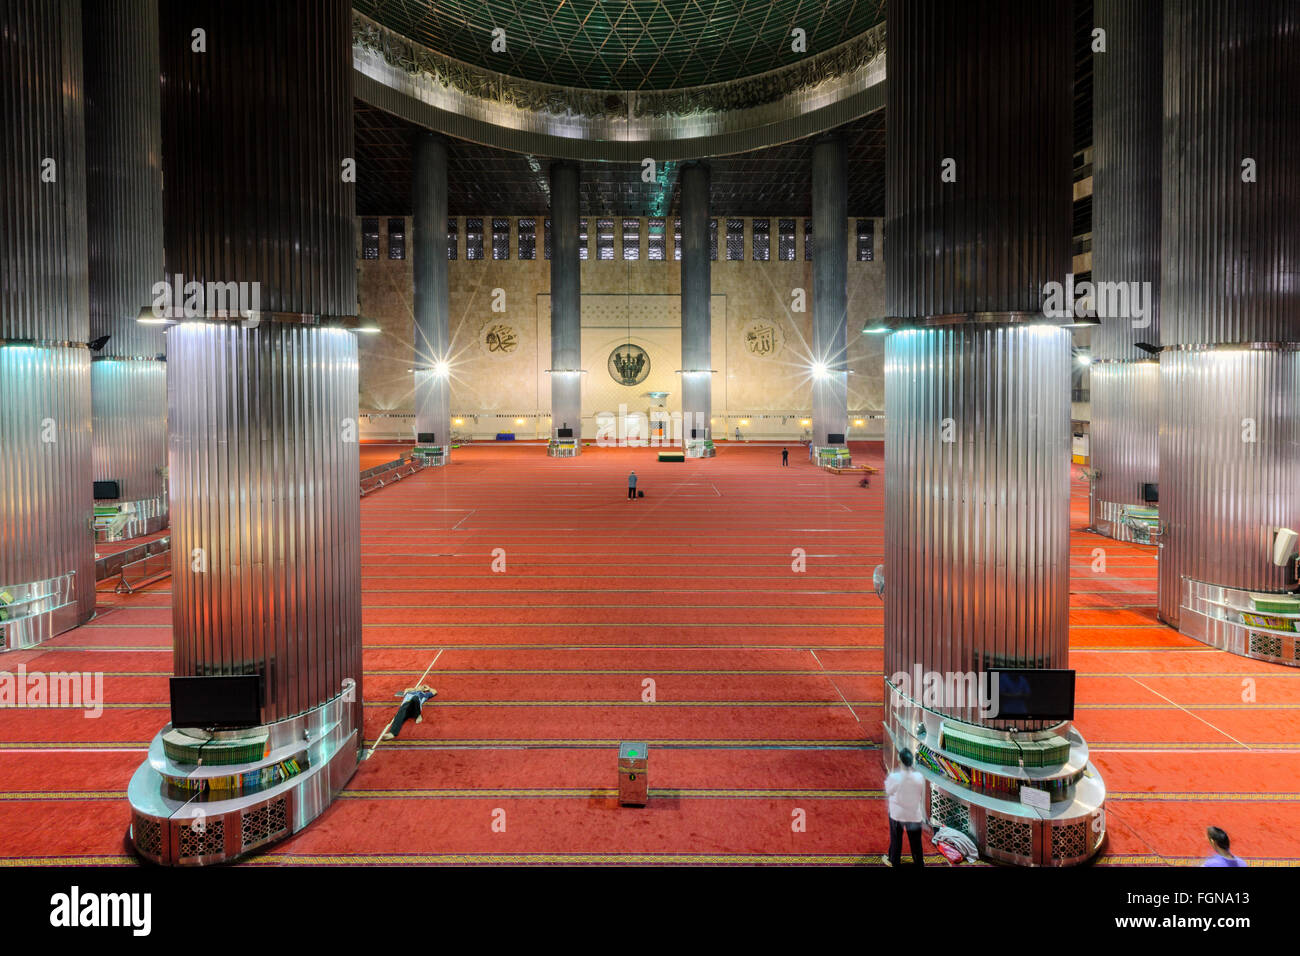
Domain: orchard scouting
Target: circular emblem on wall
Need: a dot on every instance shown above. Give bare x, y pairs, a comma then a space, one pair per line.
763, 339
629, 364
498, 338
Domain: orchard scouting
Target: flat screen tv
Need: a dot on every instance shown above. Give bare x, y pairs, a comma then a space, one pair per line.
107, 490
217, 703
426, 438
1150, 492
1039, 694
835, 438
564, 432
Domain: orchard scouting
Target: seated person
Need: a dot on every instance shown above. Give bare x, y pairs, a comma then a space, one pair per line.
412, 707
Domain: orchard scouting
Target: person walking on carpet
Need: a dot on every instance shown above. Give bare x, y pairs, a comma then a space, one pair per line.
411, 708
631, 485
1223, 856
905, 788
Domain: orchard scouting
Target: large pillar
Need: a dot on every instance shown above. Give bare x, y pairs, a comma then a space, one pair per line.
566, 311
124, 221
978, 412
47, 556
1230, 366
1125, 391
262, 424
697, 321
830, 292
429, 262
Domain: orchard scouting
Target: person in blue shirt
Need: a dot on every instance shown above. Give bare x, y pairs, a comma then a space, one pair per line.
631, 486
411, 708
1222, 855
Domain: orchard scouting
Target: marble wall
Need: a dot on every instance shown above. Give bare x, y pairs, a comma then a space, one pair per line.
500, 318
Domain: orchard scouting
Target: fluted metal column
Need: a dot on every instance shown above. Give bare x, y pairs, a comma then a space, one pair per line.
1125, 380
274, 81
566, 302
46, 540
1230, 369
977, 433
697, 350
830, 289
429, 262
124, 220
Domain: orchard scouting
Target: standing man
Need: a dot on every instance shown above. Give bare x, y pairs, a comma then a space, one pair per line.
785, 457
631, 486
905, 788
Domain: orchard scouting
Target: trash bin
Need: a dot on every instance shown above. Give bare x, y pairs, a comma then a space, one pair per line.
633, 773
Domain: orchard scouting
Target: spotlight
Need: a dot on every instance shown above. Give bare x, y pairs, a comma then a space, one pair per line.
441, 369
1085, 359
819, 370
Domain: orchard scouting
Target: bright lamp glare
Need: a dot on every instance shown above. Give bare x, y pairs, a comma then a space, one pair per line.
819, 370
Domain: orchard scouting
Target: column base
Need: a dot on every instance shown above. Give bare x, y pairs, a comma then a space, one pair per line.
701, 448
279, 779
980, 796
124, 520
1139, 524
830, 456
35, 612
1260, 625
562, 448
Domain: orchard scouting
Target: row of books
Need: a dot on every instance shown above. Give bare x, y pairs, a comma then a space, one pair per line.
1045, 752
249, 782
994, 784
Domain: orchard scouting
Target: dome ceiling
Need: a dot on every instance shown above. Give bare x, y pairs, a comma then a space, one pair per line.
627, 44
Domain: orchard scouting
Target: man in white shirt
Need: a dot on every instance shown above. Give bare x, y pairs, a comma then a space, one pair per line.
905, 790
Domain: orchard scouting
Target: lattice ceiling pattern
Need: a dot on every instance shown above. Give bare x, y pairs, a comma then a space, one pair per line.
627, 44
482, 180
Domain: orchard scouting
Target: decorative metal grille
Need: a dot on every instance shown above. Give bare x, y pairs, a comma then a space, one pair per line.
866, 239
1009, 836
474, 238
147, 834
762, 229
500, 239
1071, 841
203, 838
527, 238
735, 240
655, 241
948, 811
631, 239
370, 238
785, 240
453, 238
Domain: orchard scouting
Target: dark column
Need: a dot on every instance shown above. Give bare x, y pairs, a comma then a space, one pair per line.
1125, 389
697, 321
47, 548
977, 401
830, 290
429, 261
124, 220
1230, 369
262, 408
566, 304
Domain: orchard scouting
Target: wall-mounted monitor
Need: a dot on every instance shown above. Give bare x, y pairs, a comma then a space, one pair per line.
426, 438
1150, 492
217, 703
1038, 694
107, 490
835, 438
564, 433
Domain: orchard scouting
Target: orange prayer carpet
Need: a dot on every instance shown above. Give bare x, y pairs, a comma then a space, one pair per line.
679, 619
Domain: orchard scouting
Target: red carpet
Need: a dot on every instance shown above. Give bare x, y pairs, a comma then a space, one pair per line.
767, 680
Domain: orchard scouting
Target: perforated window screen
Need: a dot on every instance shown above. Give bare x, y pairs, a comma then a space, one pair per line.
582, 240
369, 238
866, 240
713, 239
807, 239
474, 238
453, 239
632, 239
397, 238
735, 240
785, 240
605, 238
655, 243
500, 238
527, 238
677, 239
546, 238
762, 239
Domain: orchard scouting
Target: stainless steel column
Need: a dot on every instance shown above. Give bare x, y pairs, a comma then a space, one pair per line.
46, 541
566, 303
1125, 390
124, 220
1230, 369
697, 322
830, 289
262, 442
977, 403
429, 262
